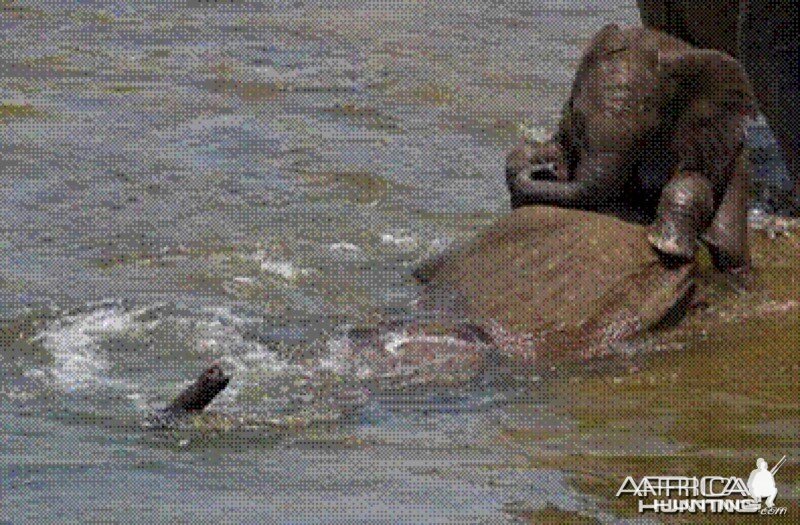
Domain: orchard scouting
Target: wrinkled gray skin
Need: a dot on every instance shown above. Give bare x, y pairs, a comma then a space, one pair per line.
652, 130
760, 33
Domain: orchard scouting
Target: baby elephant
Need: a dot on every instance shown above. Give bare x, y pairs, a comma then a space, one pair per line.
653, 128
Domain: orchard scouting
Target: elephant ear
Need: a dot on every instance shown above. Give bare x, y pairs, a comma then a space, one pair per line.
713, 76
610, 39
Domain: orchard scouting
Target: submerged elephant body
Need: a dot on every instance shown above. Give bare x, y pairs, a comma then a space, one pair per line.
653, 129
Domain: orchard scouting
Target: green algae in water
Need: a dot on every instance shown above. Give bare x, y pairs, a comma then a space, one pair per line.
123, 89
357, 187
366, 116
11, 110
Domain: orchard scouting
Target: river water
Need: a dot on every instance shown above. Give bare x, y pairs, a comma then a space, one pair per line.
186, 182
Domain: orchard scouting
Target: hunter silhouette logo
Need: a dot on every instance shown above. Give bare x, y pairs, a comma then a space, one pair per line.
761, 482
714, 494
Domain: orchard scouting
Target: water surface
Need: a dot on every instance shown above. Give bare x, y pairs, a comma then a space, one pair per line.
236, 182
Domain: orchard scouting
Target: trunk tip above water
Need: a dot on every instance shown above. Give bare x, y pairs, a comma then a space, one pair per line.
199, 394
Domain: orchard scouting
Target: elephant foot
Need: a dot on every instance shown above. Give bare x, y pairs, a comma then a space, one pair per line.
668, 241
684, 210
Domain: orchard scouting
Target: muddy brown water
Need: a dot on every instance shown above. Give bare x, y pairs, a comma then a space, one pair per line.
242, 182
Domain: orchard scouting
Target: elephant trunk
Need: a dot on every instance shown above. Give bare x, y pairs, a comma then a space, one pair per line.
598, 182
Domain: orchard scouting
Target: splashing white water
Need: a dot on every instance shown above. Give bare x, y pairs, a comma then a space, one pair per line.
75, 344
400, 240
81, 358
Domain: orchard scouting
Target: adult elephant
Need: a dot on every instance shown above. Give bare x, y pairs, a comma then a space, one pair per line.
763, 35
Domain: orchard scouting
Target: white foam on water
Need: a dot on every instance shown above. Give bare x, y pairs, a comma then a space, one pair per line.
339, 358
401, 240
396, 340
247, 361
80, 362
279, 267
74, 342
287, 270
343, 356
344, 247
440, 244
221, 336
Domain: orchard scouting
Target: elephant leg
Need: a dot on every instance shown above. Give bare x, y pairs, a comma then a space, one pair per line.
684, 210
770, 50
726, 238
